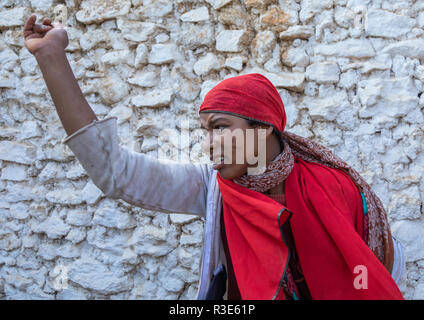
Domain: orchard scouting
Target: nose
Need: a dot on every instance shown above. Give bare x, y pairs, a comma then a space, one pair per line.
207, 145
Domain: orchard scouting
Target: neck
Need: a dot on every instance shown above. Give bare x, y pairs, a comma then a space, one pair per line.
274, 148
276, 190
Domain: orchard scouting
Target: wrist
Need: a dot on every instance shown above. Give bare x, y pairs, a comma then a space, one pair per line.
50, 50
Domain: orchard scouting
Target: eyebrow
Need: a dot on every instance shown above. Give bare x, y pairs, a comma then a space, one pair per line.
214, 119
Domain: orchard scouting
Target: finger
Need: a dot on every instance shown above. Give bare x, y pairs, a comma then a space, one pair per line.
41, 28
30, 22
58, 25
27, 33
47, 28
47, 21
34, 36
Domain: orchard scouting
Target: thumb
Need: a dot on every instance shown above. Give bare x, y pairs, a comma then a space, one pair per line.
58, 25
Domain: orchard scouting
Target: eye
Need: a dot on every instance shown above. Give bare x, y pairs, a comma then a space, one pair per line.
219, 127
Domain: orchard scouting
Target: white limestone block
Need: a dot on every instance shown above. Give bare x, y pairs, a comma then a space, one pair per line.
163, 53
411, 235
42, 5
92, 38
326, 108
354, 48
93, 11
295, 57
145, 79
113, 218
405, 204
137, 31
122, 112
323, 72
194, 35
65, 196
408, 48
207, 63
235, 62
93, 275
18, 152
262, 46
53, 226
117, 57
154, 98
77, 217
14, 172
218, 4
91, 194
381, 23
297, 32
140, 55
156, 9
230, 40
13, 17
19, 211
196, 15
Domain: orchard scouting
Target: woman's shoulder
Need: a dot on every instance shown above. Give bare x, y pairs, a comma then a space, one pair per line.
319, 183
336, 179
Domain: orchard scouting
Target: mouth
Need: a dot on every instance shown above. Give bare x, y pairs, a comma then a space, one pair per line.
219, 165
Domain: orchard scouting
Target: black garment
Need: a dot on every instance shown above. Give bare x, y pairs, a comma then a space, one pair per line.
217, 287
233, 290
294, 266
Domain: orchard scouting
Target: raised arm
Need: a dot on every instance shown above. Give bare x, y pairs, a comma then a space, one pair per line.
47, 43
142, 180
139, 179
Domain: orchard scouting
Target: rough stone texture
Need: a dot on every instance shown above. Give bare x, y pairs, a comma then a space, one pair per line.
230, 40
196, 15
97, 11
207, 63
323, 72
351, 76
12, 17
381, 23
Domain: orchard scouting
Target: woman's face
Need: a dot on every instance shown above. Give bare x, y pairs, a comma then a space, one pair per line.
238, 146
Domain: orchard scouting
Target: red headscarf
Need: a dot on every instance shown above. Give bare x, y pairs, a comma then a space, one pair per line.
324, 207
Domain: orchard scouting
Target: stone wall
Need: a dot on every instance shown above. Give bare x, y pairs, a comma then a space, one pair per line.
350, 73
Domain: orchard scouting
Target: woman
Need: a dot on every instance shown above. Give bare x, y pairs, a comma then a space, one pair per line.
298, 230
329, 212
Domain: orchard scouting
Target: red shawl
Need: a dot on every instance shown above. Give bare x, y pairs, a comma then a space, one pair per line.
324, 205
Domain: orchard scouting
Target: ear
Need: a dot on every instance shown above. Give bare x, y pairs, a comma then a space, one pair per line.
269, 129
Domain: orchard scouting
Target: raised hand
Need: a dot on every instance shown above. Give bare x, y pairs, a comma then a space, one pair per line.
44, 36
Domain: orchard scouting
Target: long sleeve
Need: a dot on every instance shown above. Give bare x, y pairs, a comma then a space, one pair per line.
139, 179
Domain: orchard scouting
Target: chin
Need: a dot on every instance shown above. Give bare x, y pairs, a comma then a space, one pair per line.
231, 172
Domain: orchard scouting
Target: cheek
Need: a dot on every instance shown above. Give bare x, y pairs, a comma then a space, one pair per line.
252, 141
231, 145
206, 144
238, 144
222, 144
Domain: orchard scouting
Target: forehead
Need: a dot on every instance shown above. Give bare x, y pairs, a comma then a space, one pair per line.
208, 117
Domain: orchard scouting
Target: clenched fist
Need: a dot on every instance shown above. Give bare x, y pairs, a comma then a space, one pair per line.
44, 36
